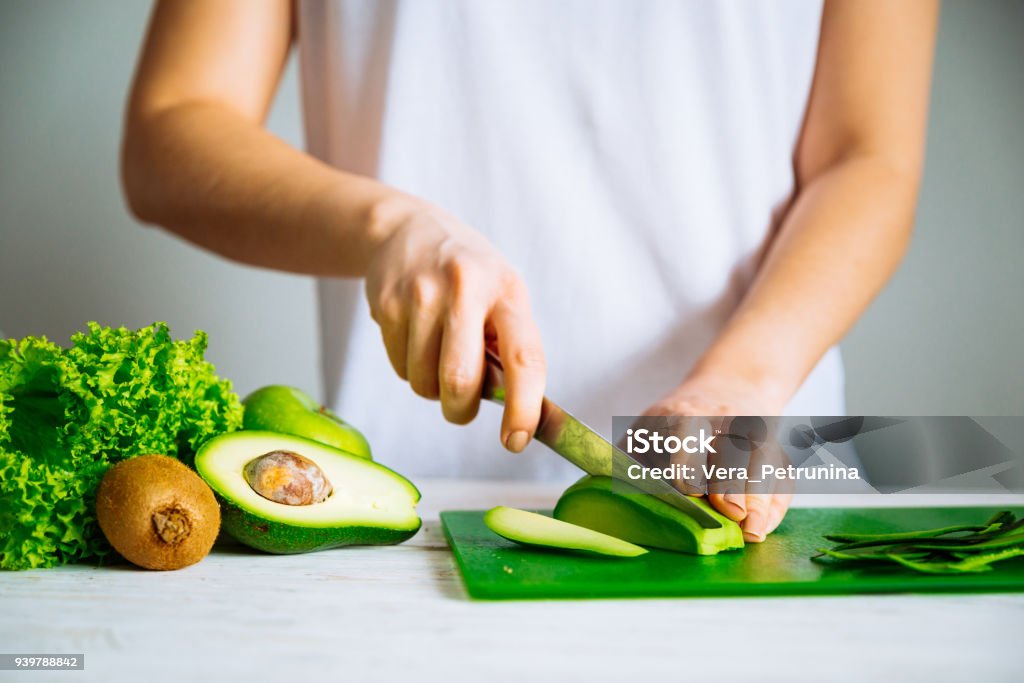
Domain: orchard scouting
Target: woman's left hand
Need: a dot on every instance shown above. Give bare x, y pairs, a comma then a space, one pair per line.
758, 510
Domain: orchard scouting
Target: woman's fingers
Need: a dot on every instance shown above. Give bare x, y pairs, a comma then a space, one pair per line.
729, 496
462, 360
393, 318
755, 524
782, 488
732, 505
424, 340
767, 518
767, 500
750, 502
777, 510
440, 292
522, 357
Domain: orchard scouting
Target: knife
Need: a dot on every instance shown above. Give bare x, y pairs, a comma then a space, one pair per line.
588, 450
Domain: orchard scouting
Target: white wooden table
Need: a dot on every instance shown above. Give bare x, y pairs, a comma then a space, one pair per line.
400, 614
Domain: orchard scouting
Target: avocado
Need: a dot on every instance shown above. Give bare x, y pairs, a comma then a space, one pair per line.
285, 494
157, 513
288, 410
530, 528
628, 513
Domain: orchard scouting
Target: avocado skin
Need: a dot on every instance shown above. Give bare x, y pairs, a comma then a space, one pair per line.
285, 539
655, 523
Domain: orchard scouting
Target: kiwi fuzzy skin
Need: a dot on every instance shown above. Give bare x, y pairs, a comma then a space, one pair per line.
157, 513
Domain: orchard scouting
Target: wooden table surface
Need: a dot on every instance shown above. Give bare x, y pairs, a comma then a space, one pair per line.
400, 613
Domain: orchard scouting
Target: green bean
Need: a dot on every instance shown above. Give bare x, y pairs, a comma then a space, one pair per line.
988, 558
935, 567
1001, 517
997, 542
975, 563
964, 548
903, 535
840, 555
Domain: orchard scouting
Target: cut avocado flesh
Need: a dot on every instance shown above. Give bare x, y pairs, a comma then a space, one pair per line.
629, 514
530, 528
369, 504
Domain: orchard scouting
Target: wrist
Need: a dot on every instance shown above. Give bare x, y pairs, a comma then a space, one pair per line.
387, 212
762, 386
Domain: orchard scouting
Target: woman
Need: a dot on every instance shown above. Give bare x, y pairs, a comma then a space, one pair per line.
700, 198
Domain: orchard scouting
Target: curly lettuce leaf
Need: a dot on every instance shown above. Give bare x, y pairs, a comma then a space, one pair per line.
67, 415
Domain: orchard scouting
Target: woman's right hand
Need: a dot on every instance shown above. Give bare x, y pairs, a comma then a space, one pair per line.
440, 291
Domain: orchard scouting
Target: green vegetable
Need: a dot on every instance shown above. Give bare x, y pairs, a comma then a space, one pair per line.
975, 563
625, 512
365, 503
530, 528
950, 550
288, 410
67, 415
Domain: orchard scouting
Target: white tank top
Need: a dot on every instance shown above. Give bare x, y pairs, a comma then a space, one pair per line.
625, 157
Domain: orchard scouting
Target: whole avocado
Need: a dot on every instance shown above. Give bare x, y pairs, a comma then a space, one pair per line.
287, 410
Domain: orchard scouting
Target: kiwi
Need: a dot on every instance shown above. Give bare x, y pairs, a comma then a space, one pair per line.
157, 512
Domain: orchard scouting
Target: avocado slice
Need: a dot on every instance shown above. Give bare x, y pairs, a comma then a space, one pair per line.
352, 500
628, 513
530, 528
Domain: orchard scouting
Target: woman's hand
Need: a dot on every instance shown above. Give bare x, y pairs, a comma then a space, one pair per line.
759, 510
440, 292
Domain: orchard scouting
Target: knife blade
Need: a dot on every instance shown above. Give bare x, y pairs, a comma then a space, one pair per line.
587, 449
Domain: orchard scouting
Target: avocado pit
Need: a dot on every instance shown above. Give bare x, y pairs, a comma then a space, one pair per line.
288, 478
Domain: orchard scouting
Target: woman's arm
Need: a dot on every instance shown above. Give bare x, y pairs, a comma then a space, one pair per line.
197, 161
858, 166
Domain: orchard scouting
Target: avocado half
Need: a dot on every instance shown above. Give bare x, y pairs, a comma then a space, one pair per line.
624, 511
369, 504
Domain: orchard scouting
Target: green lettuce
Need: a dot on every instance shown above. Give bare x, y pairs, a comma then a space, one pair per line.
67, 415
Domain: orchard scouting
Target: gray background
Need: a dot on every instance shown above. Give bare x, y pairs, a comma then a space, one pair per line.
944, 338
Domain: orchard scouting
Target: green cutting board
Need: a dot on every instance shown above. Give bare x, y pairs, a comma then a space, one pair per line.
496, 569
